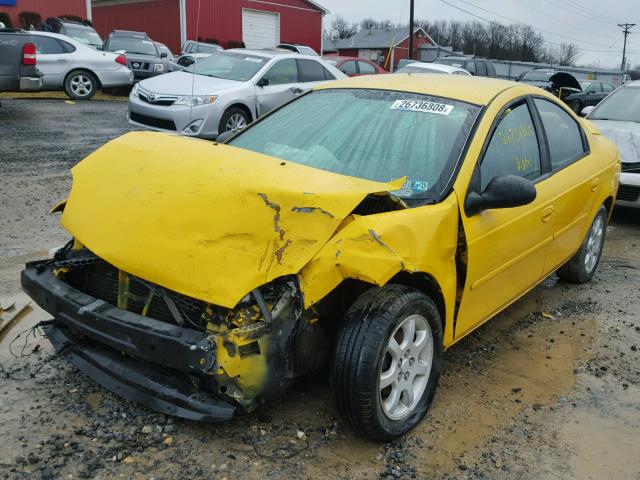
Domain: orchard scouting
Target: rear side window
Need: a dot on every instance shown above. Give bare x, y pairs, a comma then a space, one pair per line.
513, 149
349, 67
283, 71
311, 71
47, 45
594, 88
481, 69
563, 134
67, 47
366, 68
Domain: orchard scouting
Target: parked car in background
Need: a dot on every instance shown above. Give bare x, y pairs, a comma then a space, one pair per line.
480, 67
421, 67
298, 48
360, 230
354, 66
561, 84
143, 56
18, 61
163, 49
618, 118
225, 91
81, 32
76, 68
191, 46
592, 93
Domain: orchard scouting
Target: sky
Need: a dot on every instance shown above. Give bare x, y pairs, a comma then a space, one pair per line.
590, 24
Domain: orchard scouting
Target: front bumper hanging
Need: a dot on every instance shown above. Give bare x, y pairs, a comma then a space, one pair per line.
139, 358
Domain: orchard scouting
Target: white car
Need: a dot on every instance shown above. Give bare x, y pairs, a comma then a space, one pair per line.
421, 67
76, 68
225, 91
618, 118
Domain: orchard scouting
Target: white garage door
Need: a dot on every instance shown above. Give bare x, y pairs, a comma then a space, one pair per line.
260, 29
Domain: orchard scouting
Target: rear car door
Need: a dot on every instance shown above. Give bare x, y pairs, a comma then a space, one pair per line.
53, 60
574, 180
506, 248
282, 85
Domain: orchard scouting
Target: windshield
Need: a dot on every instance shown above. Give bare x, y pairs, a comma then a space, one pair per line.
537, 76
230, 66
585, 85
132, 45
622, 105
378, 135
205, 48
454, 62
410, 69
84, 35
332, 61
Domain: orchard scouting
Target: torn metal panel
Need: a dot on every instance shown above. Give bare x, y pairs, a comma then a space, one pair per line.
206, 220
375, 248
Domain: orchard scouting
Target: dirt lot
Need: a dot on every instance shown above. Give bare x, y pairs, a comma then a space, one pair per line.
550, 389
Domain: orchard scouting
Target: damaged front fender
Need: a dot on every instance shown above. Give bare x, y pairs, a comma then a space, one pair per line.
375, 248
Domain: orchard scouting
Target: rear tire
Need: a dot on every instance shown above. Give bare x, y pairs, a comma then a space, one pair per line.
80, 85
583, 265
387, 361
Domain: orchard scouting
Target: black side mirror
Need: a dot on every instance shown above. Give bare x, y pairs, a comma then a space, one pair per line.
263, 82
163, 55
505, 191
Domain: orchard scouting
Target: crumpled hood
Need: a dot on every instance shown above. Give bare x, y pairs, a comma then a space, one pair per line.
210, 221
626, 135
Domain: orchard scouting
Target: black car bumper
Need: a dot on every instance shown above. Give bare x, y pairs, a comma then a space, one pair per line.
139, 358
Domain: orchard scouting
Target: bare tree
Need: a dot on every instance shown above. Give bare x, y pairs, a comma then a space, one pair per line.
344, 28
567, 54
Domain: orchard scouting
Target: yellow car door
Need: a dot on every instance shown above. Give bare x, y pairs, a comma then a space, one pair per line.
576, 177
506, 247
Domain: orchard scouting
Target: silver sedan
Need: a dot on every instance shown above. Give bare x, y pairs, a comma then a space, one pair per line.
76, 68
225, 91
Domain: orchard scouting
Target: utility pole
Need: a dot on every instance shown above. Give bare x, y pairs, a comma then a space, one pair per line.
411, 30
625, 31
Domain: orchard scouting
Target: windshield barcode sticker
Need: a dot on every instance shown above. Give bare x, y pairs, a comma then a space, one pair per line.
420, 106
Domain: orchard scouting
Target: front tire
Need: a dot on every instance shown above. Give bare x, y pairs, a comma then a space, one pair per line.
233, 119
387, 361
80, 85
583, 265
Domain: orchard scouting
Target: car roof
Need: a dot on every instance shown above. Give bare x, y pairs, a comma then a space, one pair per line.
435, 66
466, 88
270, 53
128, 33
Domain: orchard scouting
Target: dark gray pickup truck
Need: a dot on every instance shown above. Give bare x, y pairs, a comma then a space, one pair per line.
18, 71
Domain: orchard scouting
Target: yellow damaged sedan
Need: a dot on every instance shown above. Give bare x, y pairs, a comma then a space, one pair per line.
368, 225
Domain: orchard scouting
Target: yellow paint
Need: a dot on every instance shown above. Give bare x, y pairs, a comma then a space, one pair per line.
213, 221
209, 221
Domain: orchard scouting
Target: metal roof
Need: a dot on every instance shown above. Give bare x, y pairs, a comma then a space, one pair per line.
382, 38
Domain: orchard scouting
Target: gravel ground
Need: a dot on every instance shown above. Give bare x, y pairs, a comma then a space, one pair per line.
549, 389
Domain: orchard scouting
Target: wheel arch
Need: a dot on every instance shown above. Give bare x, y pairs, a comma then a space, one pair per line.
608, 204
242, 106
83, 69
428, 285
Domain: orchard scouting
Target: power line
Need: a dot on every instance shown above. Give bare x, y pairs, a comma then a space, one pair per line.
543, 39
589, 11
535, 28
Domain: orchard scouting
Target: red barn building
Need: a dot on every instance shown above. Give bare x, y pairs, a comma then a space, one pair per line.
46, 8
257, 23
386, 46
